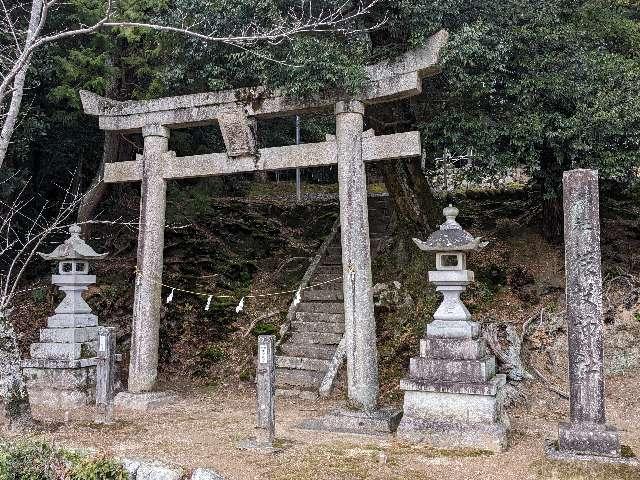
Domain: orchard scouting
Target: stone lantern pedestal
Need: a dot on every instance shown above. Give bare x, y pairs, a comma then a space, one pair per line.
453, 397
62, 369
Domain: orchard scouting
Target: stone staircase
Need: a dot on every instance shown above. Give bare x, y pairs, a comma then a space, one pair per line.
309, 355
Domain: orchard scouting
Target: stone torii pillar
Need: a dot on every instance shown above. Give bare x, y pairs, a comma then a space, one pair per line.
360, 325
145, 334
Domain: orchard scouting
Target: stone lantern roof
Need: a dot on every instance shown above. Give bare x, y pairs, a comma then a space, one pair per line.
451, 237
73, 248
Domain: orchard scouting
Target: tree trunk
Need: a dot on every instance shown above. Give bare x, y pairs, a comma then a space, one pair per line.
11, 117
13, 389
549, 182
115, 149
412, 198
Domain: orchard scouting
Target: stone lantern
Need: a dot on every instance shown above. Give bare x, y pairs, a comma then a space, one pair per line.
453, 397
61, 370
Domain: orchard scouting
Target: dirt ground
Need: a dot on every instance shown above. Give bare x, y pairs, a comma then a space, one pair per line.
204, 428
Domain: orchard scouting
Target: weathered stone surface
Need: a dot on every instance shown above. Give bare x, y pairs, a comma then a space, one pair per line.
452, 370
491, 387
588, 439
400, 145
63, 351
453, 397
266, 389
60, 399
360, 326
105, 374
144, 401
388, 80
63, 320
68, 335
453, 329
238, 133
586, 434
458, 407
130, 466
157, 471
455, 348
205, 474
452, 434
145, 335
376, 422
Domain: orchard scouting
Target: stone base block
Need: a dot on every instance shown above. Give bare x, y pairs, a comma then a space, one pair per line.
72, 320
553, 453
453, 370
588, 439
455, 348
63, 351
144, 401
64, 388
452, 434
455, 415
377, 422
453, 329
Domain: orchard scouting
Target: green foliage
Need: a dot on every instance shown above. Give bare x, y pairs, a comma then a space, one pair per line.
527, 77
27, 460
212, 354
265, 328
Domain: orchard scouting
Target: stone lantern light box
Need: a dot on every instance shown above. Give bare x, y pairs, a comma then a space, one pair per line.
61, 370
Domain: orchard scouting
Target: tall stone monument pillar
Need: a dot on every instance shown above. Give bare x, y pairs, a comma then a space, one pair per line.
360, 324
586, 433
145, 338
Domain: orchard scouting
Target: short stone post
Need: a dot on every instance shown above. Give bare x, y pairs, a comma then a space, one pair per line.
586, 433
266, 396
360, 324
105, 374
145, 338
266, 387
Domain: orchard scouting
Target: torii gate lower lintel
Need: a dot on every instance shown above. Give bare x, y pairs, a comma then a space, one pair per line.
350, 148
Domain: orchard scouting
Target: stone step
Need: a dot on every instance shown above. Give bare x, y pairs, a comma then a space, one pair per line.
300, 393
68, 335
326, 277
320, 317
328, 327
298, 378
320, 307
321, 352
302, 363
316, 338
326, 285
332, 260
335, 270
334, 295
63, 351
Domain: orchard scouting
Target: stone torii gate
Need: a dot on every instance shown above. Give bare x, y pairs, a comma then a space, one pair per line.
236, 112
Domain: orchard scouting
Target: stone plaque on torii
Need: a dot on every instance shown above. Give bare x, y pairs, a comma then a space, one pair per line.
236, 112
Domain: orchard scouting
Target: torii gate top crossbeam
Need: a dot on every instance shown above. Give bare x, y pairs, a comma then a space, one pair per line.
388, 80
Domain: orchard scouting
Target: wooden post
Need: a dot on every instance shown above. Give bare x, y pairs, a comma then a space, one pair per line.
266, 386
105, 374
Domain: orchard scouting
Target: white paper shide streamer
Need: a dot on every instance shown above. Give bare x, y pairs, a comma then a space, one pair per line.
298, 297
208, 302
240, 306
170, 297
